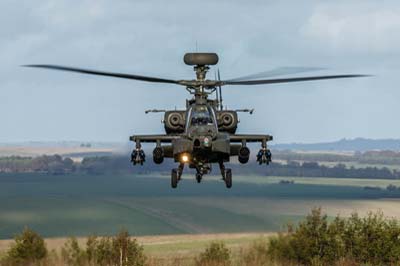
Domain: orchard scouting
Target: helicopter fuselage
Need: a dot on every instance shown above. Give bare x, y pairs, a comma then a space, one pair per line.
201, 144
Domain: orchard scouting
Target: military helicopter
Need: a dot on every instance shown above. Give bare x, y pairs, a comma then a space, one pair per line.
204, 133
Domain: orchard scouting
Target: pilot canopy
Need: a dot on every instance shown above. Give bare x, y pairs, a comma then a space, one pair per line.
201, 115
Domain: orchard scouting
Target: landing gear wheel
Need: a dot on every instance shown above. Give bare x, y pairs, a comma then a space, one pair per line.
174, 178
228, 178
198, 177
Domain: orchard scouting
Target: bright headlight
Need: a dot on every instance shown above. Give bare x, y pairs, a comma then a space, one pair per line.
185, 158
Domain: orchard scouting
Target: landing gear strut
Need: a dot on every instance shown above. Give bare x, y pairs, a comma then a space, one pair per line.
201, 170
174, 178
199, 174
176, 175
226, 175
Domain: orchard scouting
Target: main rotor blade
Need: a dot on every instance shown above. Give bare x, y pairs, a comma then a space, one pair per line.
277, 72
286, 80
102, 73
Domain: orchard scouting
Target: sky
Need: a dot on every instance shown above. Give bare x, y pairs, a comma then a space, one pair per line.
150, 37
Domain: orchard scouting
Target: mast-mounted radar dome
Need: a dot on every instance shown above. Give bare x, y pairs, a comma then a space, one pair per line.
200, 59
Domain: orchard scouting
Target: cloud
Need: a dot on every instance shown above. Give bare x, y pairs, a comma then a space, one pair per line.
355, 26
150, 38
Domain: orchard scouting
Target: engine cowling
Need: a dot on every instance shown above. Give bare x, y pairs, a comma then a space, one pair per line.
174, 122
158, 155
227, 121
244, 155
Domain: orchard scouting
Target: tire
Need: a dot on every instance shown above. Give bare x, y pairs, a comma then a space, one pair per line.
228, 178
174, 178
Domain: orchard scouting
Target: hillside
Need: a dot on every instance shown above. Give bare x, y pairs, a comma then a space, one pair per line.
357, 144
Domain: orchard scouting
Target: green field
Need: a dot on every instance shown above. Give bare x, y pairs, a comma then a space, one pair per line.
361, 165
80, 205
382, 183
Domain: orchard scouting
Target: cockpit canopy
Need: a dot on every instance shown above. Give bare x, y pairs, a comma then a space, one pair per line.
201, 115
201, 121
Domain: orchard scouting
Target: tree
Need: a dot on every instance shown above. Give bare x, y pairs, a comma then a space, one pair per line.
216, 254
29, 247
127, 251
371, 240
72, 254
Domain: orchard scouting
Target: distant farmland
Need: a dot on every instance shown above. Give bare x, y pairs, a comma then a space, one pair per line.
80, 205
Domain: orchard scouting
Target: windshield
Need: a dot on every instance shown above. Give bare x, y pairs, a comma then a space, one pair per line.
201, 115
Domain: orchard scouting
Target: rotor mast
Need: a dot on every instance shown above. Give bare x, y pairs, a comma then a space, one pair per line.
201, 63
200, 94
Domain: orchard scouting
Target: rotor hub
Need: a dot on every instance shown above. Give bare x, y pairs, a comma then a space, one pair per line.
201, 72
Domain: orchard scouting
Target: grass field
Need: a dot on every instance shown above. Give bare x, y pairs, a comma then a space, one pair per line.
357, 182
79, 205
354, 164
361, 165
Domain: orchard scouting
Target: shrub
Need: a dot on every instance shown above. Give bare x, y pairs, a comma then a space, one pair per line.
370, 240
29, 248
127, 251
120, 250
91, 245
103, 252
373, 239
256, 254
72, 254
215, 254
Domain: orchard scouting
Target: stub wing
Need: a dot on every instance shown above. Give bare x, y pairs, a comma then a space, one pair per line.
250, 138
264, 155
154, 138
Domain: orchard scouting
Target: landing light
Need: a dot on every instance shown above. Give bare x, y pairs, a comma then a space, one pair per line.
185, 158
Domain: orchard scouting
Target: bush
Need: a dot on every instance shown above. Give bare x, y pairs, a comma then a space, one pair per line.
29, 249
127, 251
91, 245
72, 254
216, 254
120, 250
103, 254
256, 254
371, 240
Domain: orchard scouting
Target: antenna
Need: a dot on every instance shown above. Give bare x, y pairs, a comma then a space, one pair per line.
220, 92
216, 91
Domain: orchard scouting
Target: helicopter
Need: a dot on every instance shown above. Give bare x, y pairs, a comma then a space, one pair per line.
204, 133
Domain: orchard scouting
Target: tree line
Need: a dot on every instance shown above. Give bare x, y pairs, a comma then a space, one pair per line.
57, 165
53, 164
387, 157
